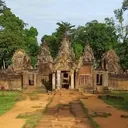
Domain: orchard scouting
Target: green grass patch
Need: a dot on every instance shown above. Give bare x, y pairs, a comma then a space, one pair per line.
118, 100
8, 100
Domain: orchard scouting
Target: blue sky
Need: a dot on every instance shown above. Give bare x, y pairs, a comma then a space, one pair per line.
44, 14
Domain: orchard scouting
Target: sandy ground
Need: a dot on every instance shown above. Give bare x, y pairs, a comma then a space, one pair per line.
65, 111
9, 120
115, 121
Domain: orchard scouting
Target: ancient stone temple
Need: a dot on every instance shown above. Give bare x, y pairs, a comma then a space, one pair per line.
64, 72
84, 72
64, 67
45, 61
110, 62
44, 67
20, 61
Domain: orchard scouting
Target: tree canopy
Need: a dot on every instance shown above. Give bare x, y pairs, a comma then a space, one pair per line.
102, 36
15, 35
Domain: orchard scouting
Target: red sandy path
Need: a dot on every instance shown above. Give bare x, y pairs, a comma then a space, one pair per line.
65, 111
115, 121
9, 120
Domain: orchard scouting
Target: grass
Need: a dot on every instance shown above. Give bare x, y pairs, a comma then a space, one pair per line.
120, 103
8, 100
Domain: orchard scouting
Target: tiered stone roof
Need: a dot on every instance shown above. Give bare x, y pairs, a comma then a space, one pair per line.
66, 57
44, 54
45, 60
110, 62
20, 61
88, 56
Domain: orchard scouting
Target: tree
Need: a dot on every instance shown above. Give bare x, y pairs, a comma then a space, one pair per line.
120, 27
55, 39
64, 27
14, 35
52, 43
125, 5
10, 37
101, 36
78, 49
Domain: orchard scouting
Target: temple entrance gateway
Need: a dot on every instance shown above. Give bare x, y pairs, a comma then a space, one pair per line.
63, 79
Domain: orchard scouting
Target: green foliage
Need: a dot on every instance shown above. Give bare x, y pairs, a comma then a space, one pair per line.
78, 49
117, 102
55, 39
31, 44
14, 35
125, 5
52, 43
101, 36
122, 51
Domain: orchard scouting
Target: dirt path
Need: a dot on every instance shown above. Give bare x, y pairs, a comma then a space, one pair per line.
115, 121
65, 111
9, 120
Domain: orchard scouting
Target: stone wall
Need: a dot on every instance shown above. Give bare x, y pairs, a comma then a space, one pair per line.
84, 76
10, 80
118, 81
86, 69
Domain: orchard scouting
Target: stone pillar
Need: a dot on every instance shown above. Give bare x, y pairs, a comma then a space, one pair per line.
105, 79
72, 80
94, 77
53, 81
35, 79
77, 80
58, 79
25, 79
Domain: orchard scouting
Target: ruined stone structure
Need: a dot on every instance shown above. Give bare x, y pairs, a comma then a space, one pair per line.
85, 68
64, 71
110, 62
20, 61
64, 66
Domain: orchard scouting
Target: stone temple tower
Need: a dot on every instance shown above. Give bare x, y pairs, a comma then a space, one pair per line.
63, 74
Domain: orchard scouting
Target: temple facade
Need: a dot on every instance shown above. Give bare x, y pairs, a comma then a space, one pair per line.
64, 72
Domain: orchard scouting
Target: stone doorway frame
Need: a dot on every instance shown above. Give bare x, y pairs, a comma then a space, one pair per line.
57, 77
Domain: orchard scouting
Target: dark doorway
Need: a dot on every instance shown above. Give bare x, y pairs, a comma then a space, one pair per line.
99, 79
65, 79
31, 80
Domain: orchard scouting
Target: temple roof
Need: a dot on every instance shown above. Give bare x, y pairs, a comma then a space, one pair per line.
66, 57
45, 60
20, 61
111, 54
44, 54
110, 61
88, 56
